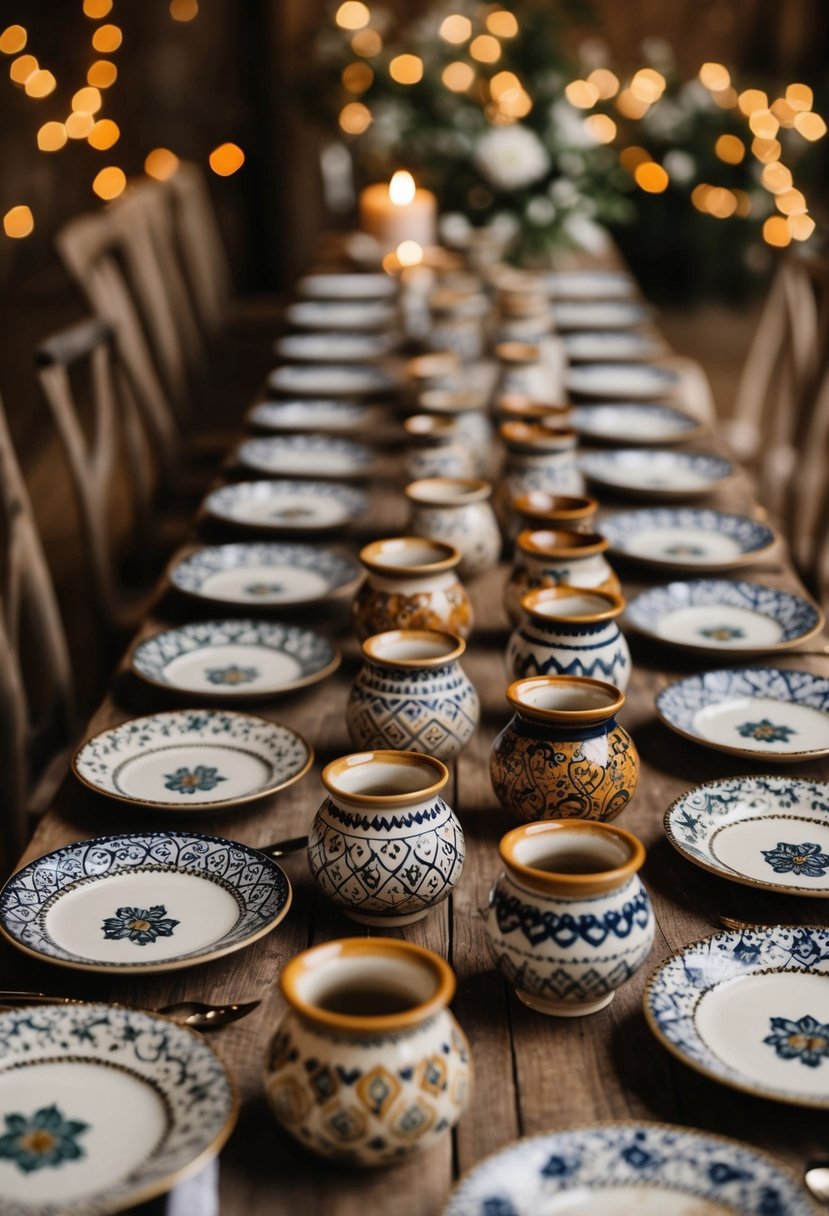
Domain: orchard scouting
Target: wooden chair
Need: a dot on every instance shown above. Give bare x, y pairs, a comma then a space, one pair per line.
200, 245
807, 501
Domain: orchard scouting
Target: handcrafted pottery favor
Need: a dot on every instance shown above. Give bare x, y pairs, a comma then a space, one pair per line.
434, 448
468, 410
457, 511
412, 694
411, 584
563, 755
569, 919
523, 370
519, 407
368, 1064
539, 458
384, 846
569, 632
558, 512
548, 558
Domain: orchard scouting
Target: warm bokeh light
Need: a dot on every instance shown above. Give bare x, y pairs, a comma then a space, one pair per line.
715, 76
89, 100
800, 96
743, 203
455, 28
801, 226
651, 177
40, 84
354, 118
721, 202
226, 159
699, 196
161, 164
52, 137
357, 77
512, 99
367, 42
783, 112
630, 157
581, 94
107, 38
409, 253
96, 9
791, 202
22, 68
631, 106
776, 177
602, 128
810, 125
766, 150
102, 74
726, 99
605, 82
184, 10
776, 231
730, 149
18, 222
79, 125
458, 76
503, 82
485, 49
406, 69
647, 85
110, 182
103, 134
752, 99
402, 188
13, 40
502, 24
764, 124
352, 15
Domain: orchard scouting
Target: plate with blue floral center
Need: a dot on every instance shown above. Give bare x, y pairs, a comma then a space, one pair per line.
286, 507
750, 1009
320, 415
687, 538
306, 456
591, 285
335, 316
102, 1108
267, 574
192, 759
613, 346
143, 901
766, 832
652, 1169
633, 423
600, 314
636, 381
331, 380
329, 347
656, 473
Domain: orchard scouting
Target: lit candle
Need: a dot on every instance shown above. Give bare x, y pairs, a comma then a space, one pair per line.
398, 213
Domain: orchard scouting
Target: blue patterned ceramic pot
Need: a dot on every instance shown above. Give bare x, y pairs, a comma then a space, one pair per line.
539, 457
569, 919
569, 632
468, 410
434, 448
384, 846
368, 1064
548, 558
458, 511
412, 694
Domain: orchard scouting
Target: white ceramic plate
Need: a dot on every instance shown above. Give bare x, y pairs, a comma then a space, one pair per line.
639, 381
766, 832
336, 380
235, 660
631, 424
616, 1169
767, 713
192, 759
599, 314
143, 902
687, 538
334, 347
306, 456
590, 285
347, 287
367, 316
268, 575
656, 473
102, 1108
286, 507
318, 415
750, 1009
613, 346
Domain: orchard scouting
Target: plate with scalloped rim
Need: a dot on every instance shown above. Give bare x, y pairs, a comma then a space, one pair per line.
652, 1169
103, 1107
307, 456
656, 472
235, 659
634, 381
318, 414
710, 614
591, 285
613, 346
330, 380
633, 423
268, 575
765, 832
143, 902
286, 507
341, 316
768, 713
600, 314
340, 347
687, 538
750, 1009
347, 286
192, 759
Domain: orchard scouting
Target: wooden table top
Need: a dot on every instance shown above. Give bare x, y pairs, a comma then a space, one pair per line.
532, 1073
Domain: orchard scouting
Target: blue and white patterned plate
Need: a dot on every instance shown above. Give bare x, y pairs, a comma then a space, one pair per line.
761, 712
615, 346
306, 456
750, 1009
102, 1108
636, 381
338, 316
286, 507
235, 659
652, 1169
655, 472
334, 347
347, 286
192, 759
687, 538
717, 614
632, 424
334, 380
320, 415
766, 832
267, 575
590, 285
143, 901
599, 314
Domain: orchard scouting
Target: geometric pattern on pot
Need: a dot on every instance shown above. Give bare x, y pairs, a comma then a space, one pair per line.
717, 614
286, 506
321, 415
690, 538
766, 832
306, 456
435, 711
102, 1108
143, 901
772, 712
266, 574
644, 1167
192, 758
656, 473
558, 647
235, 658
632, 425
336, 380
750, 1009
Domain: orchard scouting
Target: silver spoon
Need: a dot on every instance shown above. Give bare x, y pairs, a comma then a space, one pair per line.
197, 1014
816, 1178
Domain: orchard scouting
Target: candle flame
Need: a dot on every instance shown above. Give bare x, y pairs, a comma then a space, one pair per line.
402, 188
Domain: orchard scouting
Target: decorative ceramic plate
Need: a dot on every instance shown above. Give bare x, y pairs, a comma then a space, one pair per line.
317, 415
687, 538
268, 575
102, 1108
341, 316
619, 1168
287, 507
631, 424
716, 614
143, 901
333, 347
766, 712
235, 659
590, 285
614, 346
189, 759
347, 287
766, 832
345, 380
600, 314
750, 1009
655, 473
306, 456
641, 381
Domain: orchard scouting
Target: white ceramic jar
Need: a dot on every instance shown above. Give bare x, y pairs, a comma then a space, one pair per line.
412, 584
539, 457
469, 410
548, 558
434, 448
458, 511
569, 632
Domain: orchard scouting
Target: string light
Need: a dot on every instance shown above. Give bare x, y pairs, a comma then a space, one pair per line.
406, 69
777, 232
715, 76
752, 99
357, 77
776, 178
52, 137
161, 164
764, 124
799, 96
721, 202
631, 106
485, 49
184, 10
103, 134
726, 99
95, 9
102, 74
730, 149
651, 177
581, 94
109, 182
107, 38
699, 196
743, 203
630, 157
801, 226
13, 40
605, 82
810, 125
18, 222
458, 76
226, 159
367, 43
791, 202
89, 100
766, 150
352, 15
783, 112
79, 125
22, 68
502, 24
40, 84
455, 29
602, 128
647, 85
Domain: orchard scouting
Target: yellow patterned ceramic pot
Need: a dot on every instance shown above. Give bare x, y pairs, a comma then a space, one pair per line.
547, 557
368, 1063
412, 584
563, 755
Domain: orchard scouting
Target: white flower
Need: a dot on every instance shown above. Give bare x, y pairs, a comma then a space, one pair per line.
680, 165
511, 157
568, 127
563, 192
540, 211
504, 226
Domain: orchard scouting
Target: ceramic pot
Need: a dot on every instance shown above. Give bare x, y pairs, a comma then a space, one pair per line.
519, 407
539, 458
384, 846
547, 558
434, 448
569, 919
459, 317
458, 511
539, 510
412, 584
568, 632
524, 370
563, 755
368, 1063
439, 369
469, 410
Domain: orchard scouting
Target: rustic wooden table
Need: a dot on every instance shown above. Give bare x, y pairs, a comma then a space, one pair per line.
533, 1074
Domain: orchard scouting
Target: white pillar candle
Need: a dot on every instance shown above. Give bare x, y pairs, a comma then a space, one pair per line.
398, 212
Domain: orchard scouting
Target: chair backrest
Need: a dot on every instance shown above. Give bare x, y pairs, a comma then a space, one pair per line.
807, 516
200, 243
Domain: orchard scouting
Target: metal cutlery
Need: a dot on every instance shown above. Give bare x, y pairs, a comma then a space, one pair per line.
196, 1014
283, 848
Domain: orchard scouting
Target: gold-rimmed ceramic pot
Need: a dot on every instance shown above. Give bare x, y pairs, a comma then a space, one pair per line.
384, 846
569, 919
368, 1063
566, 631
434, 448
547, 557
520, 407
538, 457
469, 411
411, 694
412, 584
457, 510
563, 755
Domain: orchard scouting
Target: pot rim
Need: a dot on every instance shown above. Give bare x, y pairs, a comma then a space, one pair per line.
371, 646
556, 542
374, 802
449, 402
556, 882
614, 604
370, 553
430, 427
517, 352
562, 506
435, 363
468, 490
565, 717
517, 407
536, 436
